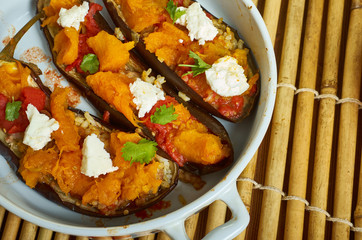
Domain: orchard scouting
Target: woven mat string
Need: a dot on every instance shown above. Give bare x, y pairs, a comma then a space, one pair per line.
286, 197
321, 96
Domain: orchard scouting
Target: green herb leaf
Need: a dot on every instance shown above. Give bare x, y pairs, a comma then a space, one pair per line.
90, 63
141, 152
199, 67
173, 11
12, 110
164, 115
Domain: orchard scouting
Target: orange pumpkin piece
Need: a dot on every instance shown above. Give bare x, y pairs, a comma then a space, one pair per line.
165, 43
111, 52
66, 45
106, 190
242, 56
67, 173
140, 179
200, 147
114, 89
192, 139
36, 165
141, 14
66, 137
52, 10
212, 51
14, 77
129, 181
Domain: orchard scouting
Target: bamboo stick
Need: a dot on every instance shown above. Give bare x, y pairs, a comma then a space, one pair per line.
323, 150
348, 125
11, 227
216, 215
303, 122
245, 189
191, 225
28, 231
45, 234
81, 238
271, 17
2, 214
148, 237
61, 236
280, 125
358, 210
163, 236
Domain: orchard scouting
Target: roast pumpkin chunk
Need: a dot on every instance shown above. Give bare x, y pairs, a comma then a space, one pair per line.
112, 53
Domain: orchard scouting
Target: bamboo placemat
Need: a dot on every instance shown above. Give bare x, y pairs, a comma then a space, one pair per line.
305, 181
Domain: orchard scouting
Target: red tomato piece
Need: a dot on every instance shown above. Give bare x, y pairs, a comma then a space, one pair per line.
20, 124
32, 95
92, 30
90, 23
3, 101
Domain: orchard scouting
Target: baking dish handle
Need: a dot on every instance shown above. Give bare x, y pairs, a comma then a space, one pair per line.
240, 216
238, 222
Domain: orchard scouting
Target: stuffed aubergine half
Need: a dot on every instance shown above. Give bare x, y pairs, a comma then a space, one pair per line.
102, 62
71, 157
198, 54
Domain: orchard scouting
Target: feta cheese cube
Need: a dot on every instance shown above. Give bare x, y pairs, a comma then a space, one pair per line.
38, 132
74, 16
146, 95
226, 77
96, 160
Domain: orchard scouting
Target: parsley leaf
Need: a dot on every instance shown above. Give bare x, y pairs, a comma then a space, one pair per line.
175, 13
141, 152
164, 115
199, 67
90, 63
12, 110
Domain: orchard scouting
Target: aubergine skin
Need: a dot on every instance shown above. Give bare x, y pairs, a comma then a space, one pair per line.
177, 83
212, 124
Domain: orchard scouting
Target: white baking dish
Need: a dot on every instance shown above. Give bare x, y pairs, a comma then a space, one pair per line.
246, 137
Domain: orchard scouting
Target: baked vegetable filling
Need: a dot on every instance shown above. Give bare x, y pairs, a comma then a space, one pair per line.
109, 72
194, 44
56, 148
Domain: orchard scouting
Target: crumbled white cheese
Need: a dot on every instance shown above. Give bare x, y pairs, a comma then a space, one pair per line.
96, 160
199, 25
183, 96
74, 16
180, 40
38, 132
226, 77
182, 19
146, 95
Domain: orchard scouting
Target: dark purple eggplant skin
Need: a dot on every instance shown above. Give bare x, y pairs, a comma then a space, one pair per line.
172, 78
213, 125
